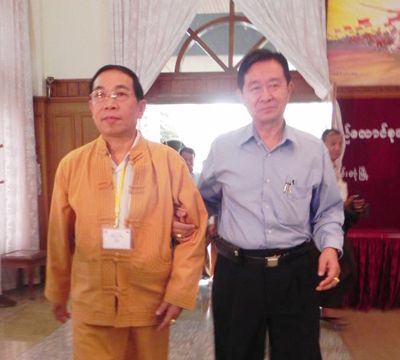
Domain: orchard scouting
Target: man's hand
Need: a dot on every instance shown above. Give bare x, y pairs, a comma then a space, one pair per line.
181, 231
354, 203
167, 312
328, 264
60, 312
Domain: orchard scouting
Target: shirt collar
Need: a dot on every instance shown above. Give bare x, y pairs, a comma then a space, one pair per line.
289, 136
127, 156
249, 133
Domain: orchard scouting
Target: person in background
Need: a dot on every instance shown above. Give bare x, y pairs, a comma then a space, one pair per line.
174, 144
109, 237
354, 207
188, 155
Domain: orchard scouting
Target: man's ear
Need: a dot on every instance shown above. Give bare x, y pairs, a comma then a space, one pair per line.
141, 108
290, 87
91, 106
239, 94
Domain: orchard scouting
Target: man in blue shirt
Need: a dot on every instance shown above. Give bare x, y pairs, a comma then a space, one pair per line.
275, 194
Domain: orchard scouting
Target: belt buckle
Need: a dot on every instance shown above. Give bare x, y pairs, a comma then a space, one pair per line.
272, 261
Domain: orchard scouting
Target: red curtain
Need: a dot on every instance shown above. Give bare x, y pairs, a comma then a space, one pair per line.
377, 253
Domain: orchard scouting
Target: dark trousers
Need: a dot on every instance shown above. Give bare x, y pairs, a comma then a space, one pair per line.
250, 299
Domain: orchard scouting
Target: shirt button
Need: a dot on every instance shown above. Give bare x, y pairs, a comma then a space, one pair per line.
269, 154
269, 231
267, 207
268, 180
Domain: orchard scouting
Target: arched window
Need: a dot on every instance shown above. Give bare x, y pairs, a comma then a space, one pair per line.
217, 40
204, 67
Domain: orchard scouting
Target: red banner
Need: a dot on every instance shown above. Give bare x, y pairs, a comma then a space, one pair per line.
394, 19
371, 164
363, 21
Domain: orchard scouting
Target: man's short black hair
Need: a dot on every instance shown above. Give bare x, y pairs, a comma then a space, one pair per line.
187, 150
262, 55
137, 87
175, 144
328, 132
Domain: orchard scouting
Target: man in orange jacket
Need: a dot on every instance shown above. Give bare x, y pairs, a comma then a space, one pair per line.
109, 239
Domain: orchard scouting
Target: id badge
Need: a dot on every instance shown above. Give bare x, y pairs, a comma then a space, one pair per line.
120, 239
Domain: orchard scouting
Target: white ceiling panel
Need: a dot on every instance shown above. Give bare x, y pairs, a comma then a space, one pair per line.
214, 7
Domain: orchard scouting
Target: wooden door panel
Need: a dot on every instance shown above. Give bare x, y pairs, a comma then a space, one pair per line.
62, 125
89, 130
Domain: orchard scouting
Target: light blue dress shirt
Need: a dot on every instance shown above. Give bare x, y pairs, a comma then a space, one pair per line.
248, 187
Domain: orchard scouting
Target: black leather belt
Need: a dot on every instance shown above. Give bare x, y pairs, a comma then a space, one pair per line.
270, 258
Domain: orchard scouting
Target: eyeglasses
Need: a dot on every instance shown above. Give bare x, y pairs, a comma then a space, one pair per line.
100, 96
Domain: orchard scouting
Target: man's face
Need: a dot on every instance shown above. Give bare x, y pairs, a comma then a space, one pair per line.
189, 158
116, 118
265, 92
334, 143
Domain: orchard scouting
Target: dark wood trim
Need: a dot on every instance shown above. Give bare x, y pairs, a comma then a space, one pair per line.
72, 99
181, 88
367, 92
70, 88
231, 33
211, 88
40, 115
198, 88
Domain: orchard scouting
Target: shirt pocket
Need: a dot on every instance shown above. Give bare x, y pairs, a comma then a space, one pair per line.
293, 209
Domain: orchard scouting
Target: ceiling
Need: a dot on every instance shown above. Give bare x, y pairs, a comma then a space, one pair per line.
214, 7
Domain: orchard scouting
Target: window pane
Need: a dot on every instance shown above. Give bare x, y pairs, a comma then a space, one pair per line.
245, 38
217, 38
197, 60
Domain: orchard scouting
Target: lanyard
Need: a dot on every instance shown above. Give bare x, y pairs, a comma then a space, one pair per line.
119, 195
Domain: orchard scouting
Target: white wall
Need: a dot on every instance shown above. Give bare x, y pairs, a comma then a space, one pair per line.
70, 39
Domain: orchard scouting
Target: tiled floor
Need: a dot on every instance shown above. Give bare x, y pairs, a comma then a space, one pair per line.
29, 332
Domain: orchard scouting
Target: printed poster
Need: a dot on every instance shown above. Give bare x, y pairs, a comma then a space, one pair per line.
364, 42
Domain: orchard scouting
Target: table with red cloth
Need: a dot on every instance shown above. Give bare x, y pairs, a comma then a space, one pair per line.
377, 254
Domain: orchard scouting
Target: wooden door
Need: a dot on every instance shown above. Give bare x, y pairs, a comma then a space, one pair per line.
61, 125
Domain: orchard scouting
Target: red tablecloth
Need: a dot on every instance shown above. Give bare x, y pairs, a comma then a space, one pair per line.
377, 253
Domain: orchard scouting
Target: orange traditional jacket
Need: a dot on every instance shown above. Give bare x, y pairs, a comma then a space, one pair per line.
123, 287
